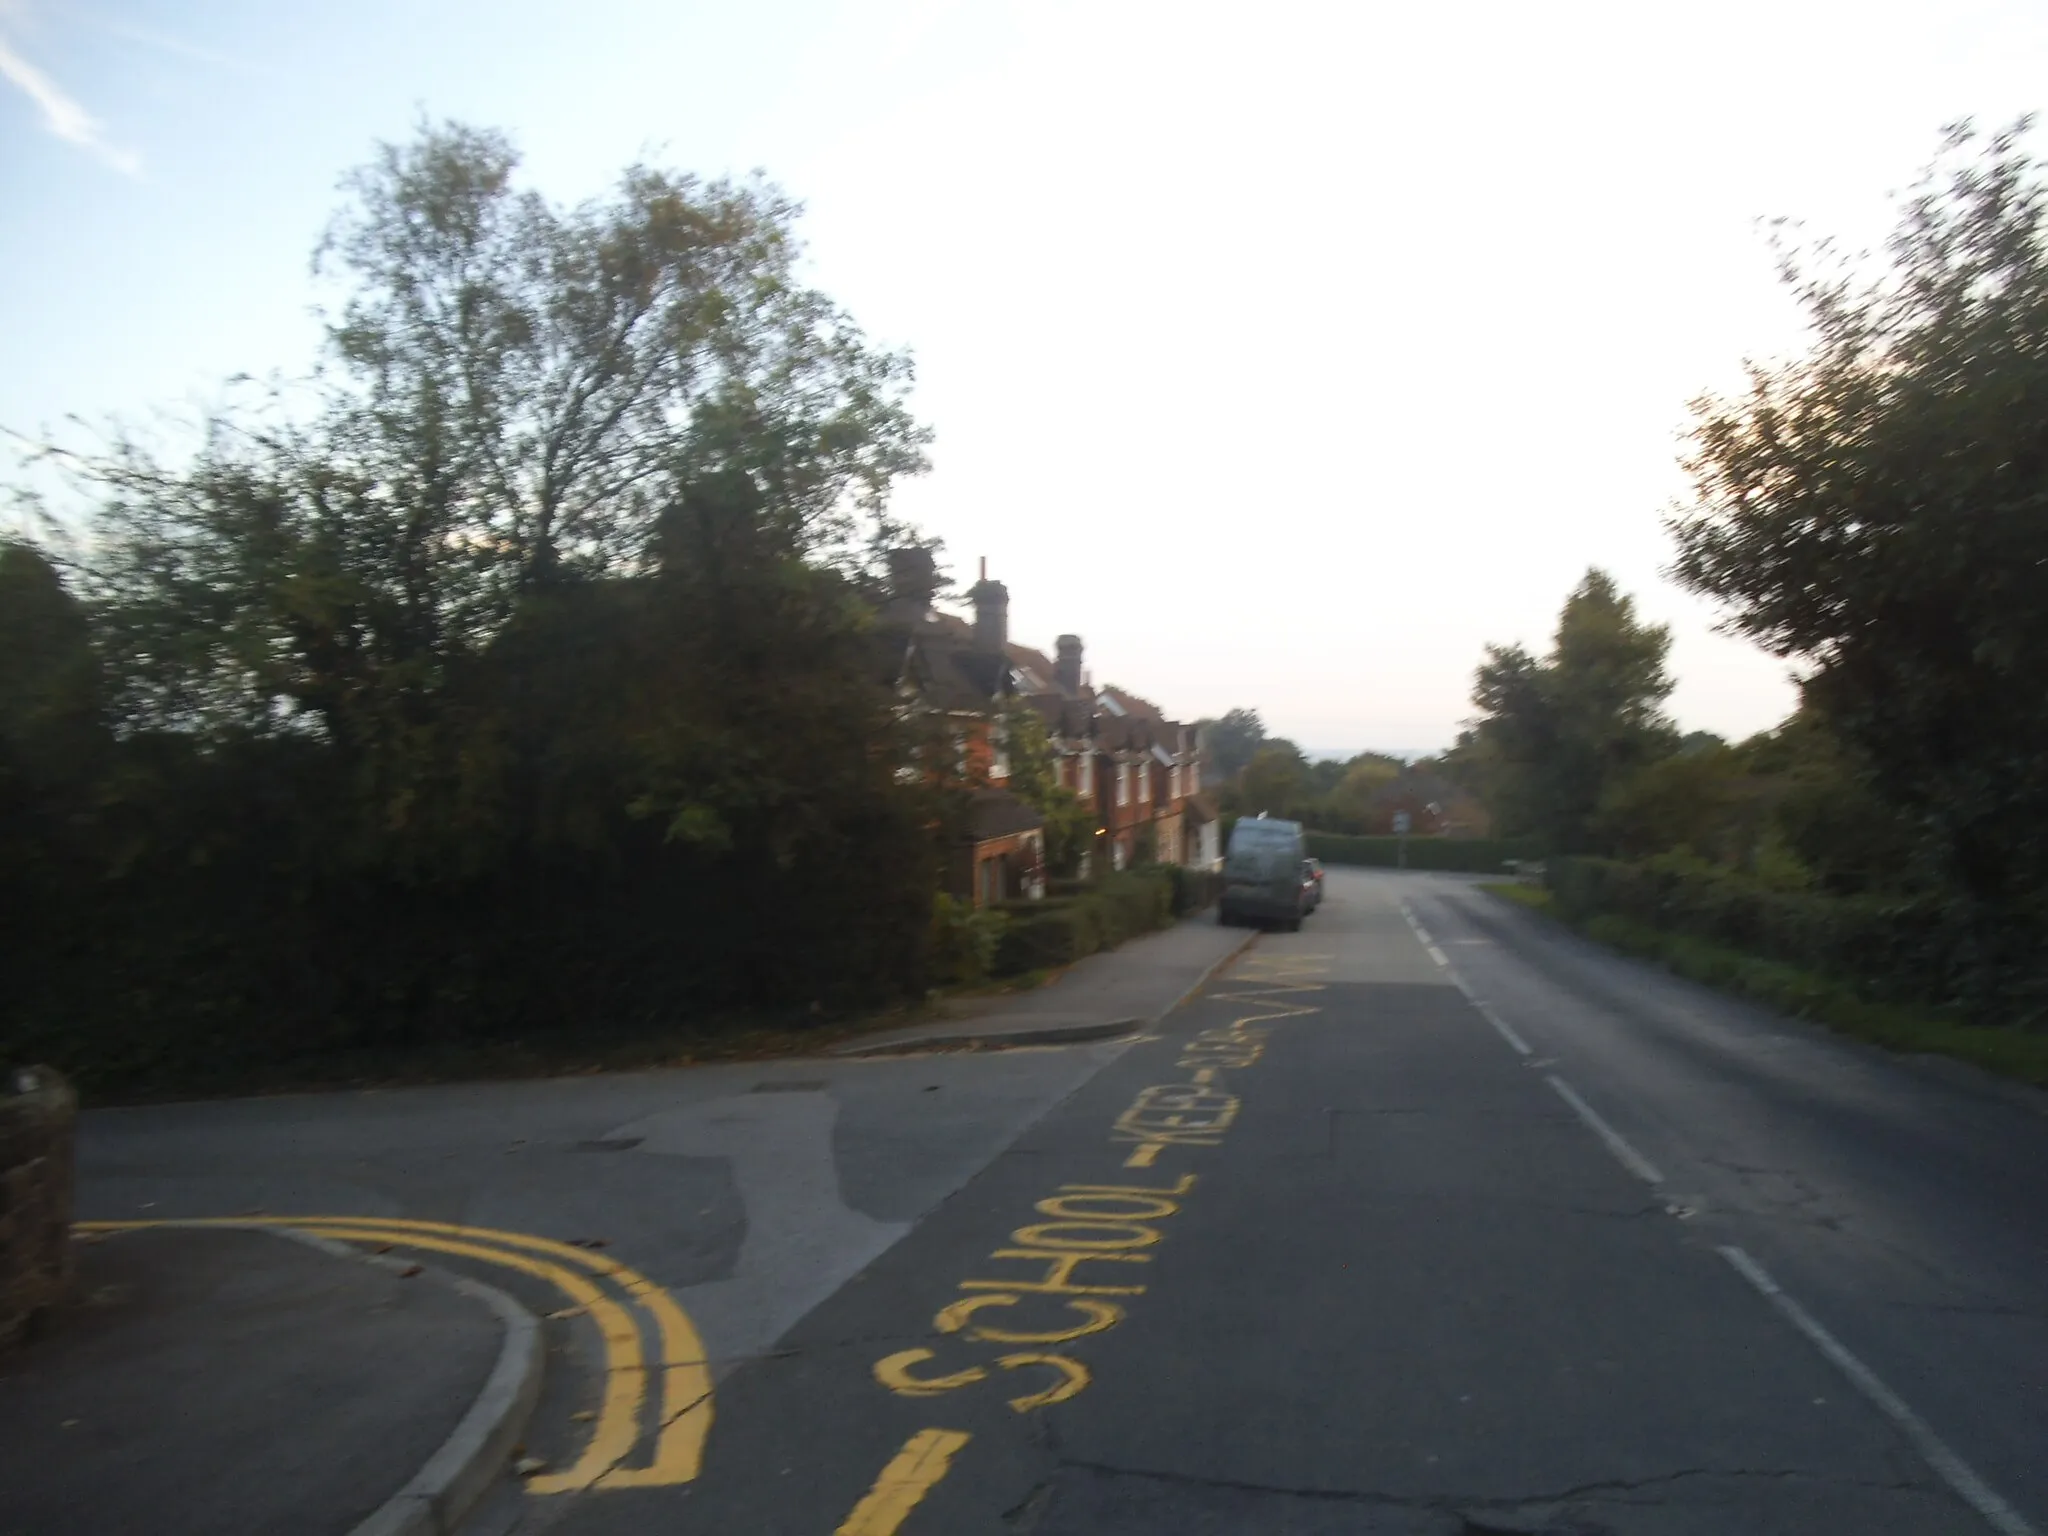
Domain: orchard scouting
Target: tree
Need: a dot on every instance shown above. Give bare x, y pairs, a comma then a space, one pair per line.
1698, 800
1874, 510
516, 668
1275, 780
517, 397
1233, 740
1366, 776
1556, 732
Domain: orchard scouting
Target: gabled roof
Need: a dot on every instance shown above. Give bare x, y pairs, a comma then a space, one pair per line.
998, 813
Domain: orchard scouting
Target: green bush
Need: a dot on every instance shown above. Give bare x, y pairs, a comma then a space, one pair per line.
1058, 931
1889, 948
965, 940
1460, 855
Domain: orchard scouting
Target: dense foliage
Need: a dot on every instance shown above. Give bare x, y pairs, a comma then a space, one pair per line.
519, 682
1877, 510
1558, 734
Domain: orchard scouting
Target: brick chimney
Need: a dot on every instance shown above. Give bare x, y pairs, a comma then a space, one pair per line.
1066, 668
991, 613
913, 578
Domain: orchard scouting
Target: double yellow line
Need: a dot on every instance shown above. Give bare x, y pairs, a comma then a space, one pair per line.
683, 1412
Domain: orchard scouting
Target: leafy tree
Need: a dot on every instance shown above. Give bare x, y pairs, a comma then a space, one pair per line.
1698, 800
1875, 511
1825, 815
1233, 740
1366, 777
513, 671
1276, 780
1557, 732
514, 396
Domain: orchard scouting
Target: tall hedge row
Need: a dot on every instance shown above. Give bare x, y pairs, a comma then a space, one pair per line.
1460, 855
1889, 948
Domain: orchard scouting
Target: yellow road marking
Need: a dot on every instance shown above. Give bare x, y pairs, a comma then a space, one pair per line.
893, 1372
686, 1377
1097, 1316
686, 1373
914, 1471
618, 1414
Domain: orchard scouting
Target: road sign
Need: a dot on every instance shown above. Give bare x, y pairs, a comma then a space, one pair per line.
1400, 823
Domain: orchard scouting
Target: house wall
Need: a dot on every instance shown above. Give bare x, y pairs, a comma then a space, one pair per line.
1005, 869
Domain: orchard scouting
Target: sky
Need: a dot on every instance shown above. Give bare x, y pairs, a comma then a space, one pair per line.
1289, 354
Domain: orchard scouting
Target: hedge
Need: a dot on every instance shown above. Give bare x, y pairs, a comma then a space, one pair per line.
1463, 855
1890, 949
1058, 931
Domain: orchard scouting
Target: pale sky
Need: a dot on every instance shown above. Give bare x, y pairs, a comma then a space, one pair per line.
1287, 353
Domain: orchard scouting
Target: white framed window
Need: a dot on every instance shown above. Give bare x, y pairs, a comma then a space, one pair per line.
1145, 783
1087, 784
1173, 782
1123, 783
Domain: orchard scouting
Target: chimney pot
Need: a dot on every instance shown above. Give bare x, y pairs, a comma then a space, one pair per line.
1066, 669
991, 614
913, 578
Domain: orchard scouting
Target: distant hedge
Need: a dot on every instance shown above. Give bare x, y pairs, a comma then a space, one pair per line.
1891, 949
1462, 855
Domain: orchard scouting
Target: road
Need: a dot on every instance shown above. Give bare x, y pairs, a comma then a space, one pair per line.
1426, 1219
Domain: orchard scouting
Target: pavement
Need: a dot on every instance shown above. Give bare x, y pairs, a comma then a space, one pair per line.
1430, 1219
1101, 997
234, 1382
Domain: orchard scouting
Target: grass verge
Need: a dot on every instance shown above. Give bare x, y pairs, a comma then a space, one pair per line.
1806, 994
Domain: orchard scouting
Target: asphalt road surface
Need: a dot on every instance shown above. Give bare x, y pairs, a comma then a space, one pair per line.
1343, 1250
1426, 1219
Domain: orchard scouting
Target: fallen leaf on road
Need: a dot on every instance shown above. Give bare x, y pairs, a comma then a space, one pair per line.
408, 1272
588, 1242
381, 1248
566, 1312
583, 1415
526, 1466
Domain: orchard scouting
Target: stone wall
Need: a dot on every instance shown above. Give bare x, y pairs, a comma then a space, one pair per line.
38, 1115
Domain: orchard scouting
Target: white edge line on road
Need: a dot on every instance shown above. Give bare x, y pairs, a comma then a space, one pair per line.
1500, 1025
1631, 1159
1954, 1471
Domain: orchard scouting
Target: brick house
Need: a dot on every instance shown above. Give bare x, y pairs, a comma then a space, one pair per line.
954, 680
1141, 773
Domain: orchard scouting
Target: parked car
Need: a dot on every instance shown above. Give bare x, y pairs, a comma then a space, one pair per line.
1312, 877
1262, 874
